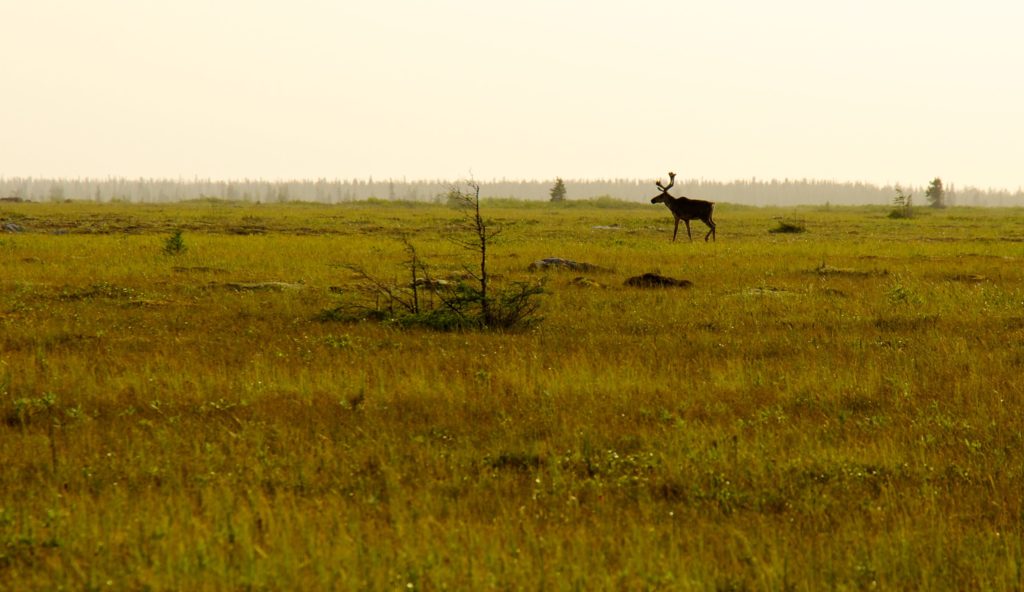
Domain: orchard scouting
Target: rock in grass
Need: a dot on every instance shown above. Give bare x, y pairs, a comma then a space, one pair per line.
654, 280
557, 263
255, 286
585, 282
12, 227
968, 278
434, 284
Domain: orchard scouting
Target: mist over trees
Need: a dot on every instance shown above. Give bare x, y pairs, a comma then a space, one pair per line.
754, 192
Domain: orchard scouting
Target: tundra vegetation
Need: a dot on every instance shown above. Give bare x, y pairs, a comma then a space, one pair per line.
834, 409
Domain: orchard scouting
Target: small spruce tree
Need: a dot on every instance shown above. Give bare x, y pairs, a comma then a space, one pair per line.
174, 244
558, 191
936, 194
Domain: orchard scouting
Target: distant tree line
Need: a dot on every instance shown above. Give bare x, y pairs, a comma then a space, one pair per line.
754, 192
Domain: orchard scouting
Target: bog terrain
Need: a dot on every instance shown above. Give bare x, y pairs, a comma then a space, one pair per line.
837, 408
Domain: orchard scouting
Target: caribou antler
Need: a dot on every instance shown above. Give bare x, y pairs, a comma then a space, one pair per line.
671, 182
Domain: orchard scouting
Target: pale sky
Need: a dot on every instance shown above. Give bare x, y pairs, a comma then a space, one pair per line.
880, 91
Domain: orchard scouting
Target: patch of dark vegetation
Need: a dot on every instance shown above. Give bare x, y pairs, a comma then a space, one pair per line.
246, 230
670, 490
655, 280
860, 404
198, 269
858, 479
906, 323
967, 278
789, 227
516, 461
101, 290
1014, 323
835, 292
439, 306
39, 411
60, 340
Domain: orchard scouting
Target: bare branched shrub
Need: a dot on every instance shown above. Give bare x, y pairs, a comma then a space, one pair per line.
470, 303
904, 203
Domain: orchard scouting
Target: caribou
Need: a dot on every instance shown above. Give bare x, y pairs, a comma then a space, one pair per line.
685, 209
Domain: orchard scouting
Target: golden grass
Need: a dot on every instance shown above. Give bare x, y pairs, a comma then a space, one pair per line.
834, 409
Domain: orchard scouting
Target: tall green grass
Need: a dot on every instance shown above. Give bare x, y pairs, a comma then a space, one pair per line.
835, 409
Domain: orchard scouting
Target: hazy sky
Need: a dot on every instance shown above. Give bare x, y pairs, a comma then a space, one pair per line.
873, 90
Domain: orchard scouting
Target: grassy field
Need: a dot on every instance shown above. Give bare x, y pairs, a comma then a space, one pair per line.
834, 409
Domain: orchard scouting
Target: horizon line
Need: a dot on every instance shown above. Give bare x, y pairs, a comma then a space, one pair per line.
404, 179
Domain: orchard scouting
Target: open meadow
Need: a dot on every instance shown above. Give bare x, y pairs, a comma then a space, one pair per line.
840, 408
